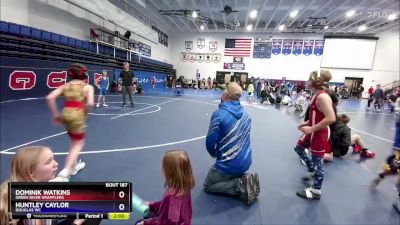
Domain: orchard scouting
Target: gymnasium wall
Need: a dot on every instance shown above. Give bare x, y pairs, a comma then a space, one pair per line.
30, 78
63, 18
41, 14
385, 68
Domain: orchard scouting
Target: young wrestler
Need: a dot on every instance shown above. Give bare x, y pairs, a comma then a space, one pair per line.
392, 165
79, 101
104, 82
316, 132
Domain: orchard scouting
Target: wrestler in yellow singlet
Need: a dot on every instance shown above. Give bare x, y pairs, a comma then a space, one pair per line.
73, 115
79, 100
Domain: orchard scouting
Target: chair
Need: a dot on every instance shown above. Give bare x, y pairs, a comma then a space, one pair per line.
3, 26
55, 38
78, 43
14, 28
64, 40
25, 31
36, 33
85, 45
46, 36
92, 47
71, 41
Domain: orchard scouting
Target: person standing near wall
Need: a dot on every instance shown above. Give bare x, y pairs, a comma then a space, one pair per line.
153, 82
378, 95
250, 91
316, 132
370, 96
135, 85
258, 87
126, 76
360, 90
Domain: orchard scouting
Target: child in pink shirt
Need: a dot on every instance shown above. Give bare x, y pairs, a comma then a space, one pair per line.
175, 208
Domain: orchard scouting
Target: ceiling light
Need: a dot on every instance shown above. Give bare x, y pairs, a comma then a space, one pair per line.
294, 13
249, 27
253, 14
362, 28
281, 27
201, 27
309, 25
350, 13
392, 16
326, 27
194, 14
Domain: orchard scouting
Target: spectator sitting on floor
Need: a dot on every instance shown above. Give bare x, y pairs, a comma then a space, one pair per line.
342, 139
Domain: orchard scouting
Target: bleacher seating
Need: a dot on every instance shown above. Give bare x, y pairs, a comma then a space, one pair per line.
23, 41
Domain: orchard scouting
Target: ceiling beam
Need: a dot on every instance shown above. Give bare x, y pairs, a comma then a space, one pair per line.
374, 20
260, 15
212, 16
286, 14
366, 24
247, 15
272, 16
236, 15
301, 13
193, 20
223, 14
379, 25
158, 8
187, 26
316, 12
395, 24
359, 14
270, 8
348, 26
340, 15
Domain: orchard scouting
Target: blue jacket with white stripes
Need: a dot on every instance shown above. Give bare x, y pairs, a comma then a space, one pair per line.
228, 138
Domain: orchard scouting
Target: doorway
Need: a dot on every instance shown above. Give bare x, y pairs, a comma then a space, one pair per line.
241, 76
351, 84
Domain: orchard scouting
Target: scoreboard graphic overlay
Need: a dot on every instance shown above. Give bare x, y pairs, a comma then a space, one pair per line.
70, 200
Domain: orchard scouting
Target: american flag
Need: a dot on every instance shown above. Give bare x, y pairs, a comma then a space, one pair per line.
237, 47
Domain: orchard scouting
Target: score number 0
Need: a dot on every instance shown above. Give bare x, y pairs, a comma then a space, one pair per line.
121, 206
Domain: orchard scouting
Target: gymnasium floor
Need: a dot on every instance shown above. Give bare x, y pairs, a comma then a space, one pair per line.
126, 144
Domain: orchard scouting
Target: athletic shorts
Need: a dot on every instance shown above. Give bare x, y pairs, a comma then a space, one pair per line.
75, 122
103, 91
317, 142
